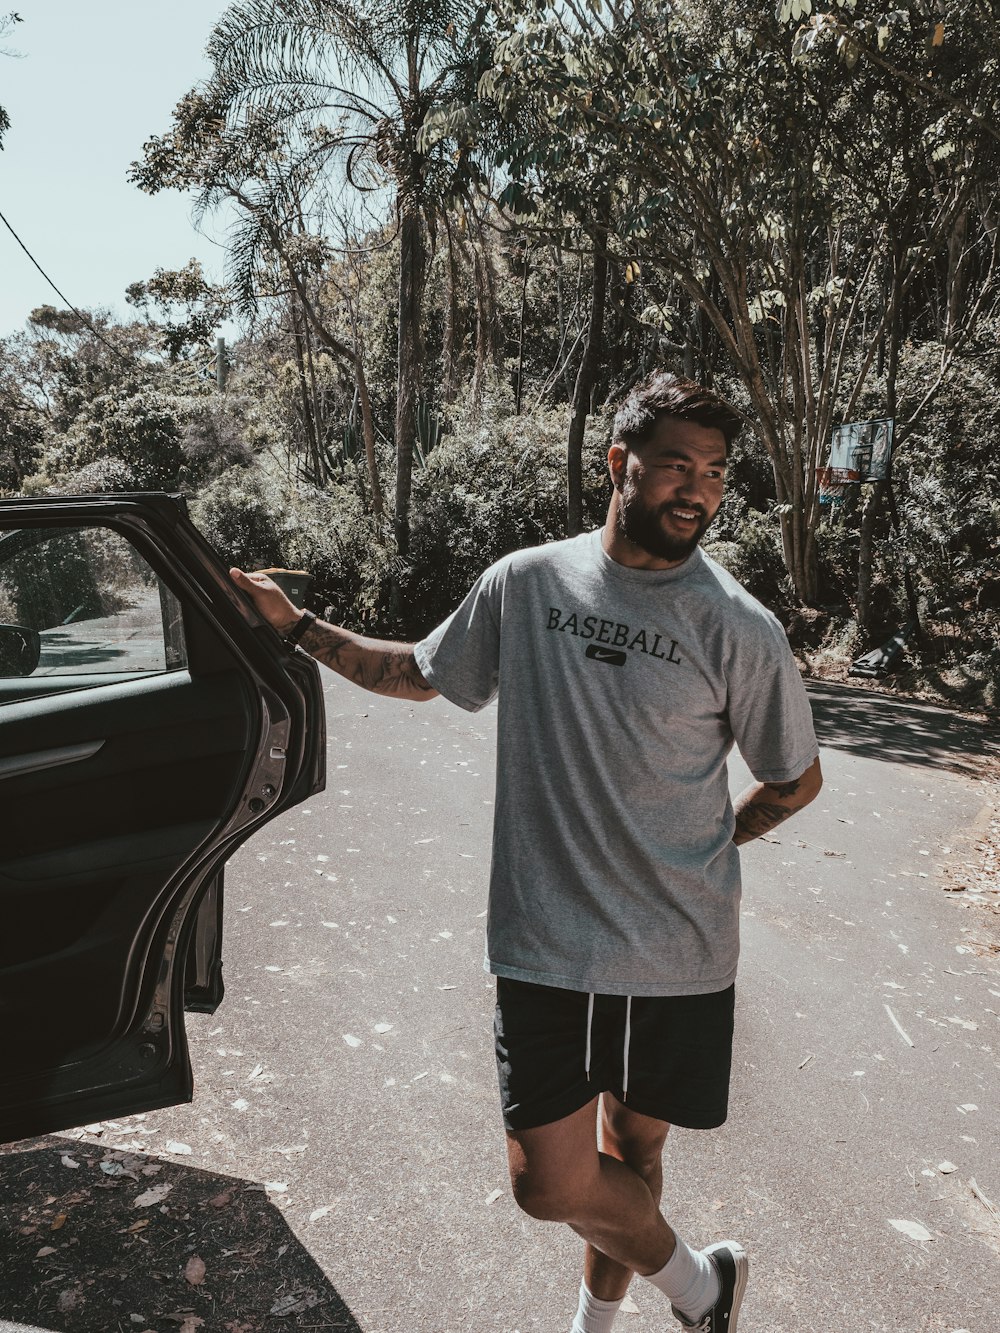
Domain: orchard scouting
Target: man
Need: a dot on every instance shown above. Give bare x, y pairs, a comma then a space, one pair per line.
627, 663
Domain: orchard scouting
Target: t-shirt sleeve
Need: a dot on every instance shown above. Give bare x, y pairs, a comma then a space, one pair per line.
769, 710
461, 658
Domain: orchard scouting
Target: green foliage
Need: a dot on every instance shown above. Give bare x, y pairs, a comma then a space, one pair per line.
139, 431
495, 484
194, 308
259, 520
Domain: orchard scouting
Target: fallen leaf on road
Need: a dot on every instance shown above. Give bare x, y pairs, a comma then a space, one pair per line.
317, 1213
178, 1149
492, 1198
912, 1229
628, 1306
896, 1024
946, 1168
45, 1251
194, 1271
70, 1162
58, 1222
222, 1200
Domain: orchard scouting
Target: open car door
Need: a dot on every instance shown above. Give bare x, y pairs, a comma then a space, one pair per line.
150, 722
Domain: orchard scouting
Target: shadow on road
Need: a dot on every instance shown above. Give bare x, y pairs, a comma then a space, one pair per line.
94, 1240
900, 731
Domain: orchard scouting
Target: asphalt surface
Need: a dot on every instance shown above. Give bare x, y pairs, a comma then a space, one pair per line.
349, 1071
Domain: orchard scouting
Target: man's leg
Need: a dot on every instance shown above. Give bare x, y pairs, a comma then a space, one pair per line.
637, 1140
558, 1175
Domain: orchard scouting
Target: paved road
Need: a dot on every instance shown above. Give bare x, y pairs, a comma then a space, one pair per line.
350, 1068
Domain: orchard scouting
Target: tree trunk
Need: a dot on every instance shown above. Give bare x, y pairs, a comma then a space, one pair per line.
585, 380
866, 551
519, 381
309, 422
411, 286
449, 341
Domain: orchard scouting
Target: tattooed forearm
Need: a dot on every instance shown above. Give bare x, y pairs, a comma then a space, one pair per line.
383, 668
759, 817
765, 805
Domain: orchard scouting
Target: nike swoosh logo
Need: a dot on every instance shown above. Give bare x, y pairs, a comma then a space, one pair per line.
610, 655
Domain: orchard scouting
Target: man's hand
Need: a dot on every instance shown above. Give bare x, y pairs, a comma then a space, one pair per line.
269, 600
765, 805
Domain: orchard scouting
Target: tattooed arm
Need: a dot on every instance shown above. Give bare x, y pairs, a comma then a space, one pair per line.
376, 665
765, 805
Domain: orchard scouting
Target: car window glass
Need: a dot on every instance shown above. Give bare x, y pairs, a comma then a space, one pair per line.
83, 602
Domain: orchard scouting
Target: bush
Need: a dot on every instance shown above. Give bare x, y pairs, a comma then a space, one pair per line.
494, 485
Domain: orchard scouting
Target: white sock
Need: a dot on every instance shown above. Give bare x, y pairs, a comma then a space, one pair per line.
594, 1316
690, 1281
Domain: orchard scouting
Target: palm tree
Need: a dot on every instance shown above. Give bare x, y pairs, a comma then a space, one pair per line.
354, 84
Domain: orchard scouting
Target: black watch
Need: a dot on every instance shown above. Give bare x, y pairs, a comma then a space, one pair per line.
304, 621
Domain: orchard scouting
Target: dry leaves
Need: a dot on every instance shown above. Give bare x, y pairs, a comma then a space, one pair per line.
912, 1229
194, 1271
155, 1195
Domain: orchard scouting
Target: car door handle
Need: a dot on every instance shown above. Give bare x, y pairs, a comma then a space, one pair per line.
19, 764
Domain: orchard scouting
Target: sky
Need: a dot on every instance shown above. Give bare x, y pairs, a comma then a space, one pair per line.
90, 81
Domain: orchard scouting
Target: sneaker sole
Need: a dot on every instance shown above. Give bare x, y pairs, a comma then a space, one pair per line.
742, 1265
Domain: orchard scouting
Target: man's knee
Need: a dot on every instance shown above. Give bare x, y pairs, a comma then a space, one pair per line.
544, 1197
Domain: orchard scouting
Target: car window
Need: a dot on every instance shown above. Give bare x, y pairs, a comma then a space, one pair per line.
82, 602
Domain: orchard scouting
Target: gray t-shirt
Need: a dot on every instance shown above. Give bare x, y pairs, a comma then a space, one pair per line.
621, 692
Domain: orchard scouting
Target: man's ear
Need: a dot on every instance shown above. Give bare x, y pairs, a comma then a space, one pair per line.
617, 458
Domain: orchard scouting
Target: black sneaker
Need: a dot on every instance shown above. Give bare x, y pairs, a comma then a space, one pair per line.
730, 1259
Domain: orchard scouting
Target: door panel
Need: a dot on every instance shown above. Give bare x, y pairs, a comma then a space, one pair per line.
163, 726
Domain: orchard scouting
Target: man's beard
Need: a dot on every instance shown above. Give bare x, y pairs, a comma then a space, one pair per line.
643, 526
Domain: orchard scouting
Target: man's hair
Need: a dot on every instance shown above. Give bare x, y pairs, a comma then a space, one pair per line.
662, 394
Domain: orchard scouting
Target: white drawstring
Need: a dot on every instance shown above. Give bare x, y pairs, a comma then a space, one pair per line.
628, 1035
590, 1020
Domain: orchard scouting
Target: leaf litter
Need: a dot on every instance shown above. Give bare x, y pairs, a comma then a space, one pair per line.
201, 1237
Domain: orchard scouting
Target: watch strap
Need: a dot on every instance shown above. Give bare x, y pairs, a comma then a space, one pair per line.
303, 623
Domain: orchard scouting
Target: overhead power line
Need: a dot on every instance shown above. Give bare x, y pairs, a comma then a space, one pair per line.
63, 297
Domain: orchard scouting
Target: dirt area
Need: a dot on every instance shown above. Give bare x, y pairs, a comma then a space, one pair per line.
101, 1240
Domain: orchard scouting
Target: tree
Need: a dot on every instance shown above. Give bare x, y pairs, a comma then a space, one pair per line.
192, 307
796, 204
356, 84
7, 22
244, 162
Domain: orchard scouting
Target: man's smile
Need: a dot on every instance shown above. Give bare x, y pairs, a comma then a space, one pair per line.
685, 513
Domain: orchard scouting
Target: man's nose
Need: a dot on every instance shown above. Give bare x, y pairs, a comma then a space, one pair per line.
691, 487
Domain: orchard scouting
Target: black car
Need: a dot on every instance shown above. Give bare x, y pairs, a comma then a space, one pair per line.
150, 722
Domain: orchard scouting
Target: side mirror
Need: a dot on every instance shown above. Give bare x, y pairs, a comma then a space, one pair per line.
20, 650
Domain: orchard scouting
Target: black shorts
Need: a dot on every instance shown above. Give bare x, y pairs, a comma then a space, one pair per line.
666, 1056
